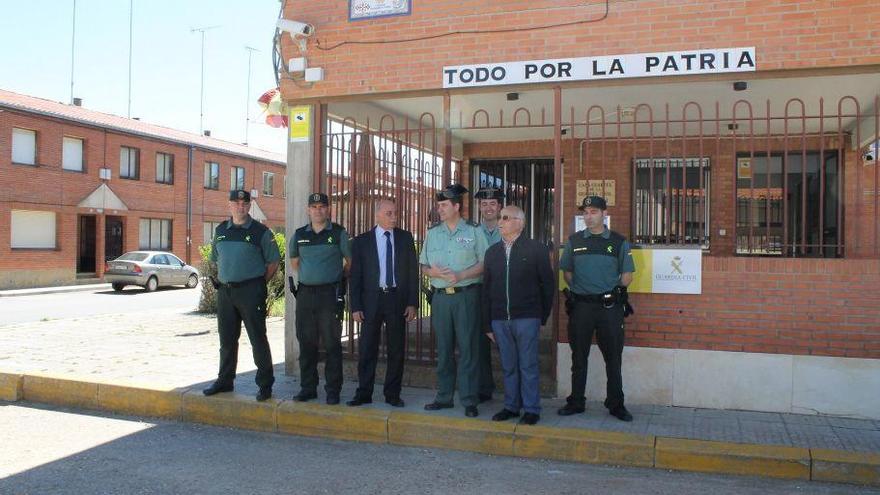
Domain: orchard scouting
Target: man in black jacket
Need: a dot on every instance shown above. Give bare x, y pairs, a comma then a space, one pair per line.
384, 289
517, 299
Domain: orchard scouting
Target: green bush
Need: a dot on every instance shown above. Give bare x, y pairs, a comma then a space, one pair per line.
275, 299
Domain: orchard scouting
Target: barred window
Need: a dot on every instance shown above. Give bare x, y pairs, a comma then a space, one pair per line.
670, 208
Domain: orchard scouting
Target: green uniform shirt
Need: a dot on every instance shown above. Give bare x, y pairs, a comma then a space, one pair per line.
320, 253
243, 251
493, 236
596, 260
457, 250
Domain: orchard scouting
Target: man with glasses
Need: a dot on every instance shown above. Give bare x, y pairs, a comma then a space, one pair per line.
452, 256
247, 258
319, 253
518, 290
597, 264
490, 204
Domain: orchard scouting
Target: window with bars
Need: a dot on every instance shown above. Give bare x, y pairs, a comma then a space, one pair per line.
786, 209
165, 168
671, 201
129, 159
212, 175
268, 183
236, 178
155, 234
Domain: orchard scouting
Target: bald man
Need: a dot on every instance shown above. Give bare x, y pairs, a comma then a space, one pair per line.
384, 290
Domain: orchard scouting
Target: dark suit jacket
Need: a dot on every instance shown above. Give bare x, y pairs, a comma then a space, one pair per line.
364, 278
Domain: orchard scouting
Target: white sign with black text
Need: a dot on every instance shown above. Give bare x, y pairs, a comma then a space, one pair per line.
711, 61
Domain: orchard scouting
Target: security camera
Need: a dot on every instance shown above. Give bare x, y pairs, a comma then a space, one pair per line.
295, 28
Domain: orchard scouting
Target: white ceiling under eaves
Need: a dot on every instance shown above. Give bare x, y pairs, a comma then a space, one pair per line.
534, 109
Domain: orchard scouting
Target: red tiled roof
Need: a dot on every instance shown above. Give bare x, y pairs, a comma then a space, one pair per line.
82, 115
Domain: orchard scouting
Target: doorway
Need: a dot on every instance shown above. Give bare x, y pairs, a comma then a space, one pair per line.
85, 256
113, 238
527, 183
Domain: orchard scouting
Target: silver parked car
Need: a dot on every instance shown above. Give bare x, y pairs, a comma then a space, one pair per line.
150, 270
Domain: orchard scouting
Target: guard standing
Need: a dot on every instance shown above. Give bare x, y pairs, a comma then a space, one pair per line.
452, 256
491, 200
320, 253
247, 257
597, 264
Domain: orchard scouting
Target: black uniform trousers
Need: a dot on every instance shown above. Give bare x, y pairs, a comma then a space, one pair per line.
237, 303
316, 322
391, 314
585, 319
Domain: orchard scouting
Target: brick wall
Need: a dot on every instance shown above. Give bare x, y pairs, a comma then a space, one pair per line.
826, 33
47, 187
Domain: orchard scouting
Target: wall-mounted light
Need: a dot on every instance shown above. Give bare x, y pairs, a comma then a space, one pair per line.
740, 86
512, 96
732, 127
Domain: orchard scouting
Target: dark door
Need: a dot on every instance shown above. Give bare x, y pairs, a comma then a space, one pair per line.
113, 240
527, 183
86, 244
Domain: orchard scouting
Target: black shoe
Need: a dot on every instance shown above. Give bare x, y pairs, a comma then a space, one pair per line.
569, 409
217, 388
529, 419
264, 394
436, 406
471, 411
621, 413
504, 415
485, 398
304, 396
333, 398
395, 401
358, 401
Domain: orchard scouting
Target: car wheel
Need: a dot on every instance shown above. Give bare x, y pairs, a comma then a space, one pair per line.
192, 281
118, 287
152, 284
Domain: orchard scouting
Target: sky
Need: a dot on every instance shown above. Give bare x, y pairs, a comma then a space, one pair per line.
165, 56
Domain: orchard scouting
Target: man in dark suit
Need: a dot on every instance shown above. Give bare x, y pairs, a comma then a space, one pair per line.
384, 289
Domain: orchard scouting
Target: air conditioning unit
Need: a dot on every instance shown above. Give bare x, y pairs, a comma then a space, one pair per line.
104, 173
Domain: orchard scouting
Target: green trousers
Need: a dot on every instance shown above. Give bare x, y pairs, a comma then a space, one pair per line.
456, 322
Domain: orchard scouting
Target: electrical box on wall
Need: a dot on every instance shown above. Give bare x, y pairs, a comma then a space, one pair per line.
104, 173
314, 74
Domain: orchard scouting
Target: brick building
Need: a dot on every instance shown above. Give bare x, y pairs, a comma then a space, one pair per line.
739, 134
78, 187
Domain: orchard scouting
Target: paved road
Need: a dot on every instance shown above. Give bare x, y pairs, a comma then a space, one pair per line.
50, 451
78, 304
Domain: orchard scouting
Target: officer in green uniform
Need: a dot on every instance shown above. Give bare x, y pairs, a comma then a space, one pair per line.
247, 257
597, 264
452, 256
491, 201
320, 253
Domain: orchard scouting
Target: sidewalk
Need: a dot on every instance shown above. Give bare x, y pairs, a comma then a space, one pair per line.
176, 354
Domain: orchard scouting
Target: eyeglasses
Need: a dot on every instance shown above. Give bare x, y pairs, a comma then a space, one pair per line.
510, 217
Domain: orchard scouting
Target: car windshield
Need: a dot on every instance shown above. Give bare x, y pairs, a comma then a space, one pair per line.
133, 257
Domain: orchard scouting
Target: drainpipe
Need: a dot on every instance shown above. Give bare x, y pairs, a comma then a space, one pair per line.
189, 200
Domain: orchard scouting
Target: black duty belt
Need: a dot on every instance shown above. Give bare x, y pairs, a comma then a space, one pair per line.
317, 286
387, 290
453, 290
233, 285
607, 297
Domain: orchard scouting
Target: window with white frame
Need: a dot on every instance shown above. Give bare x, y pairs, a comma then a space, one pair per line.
155, 234
24, 146
32, 229
212, 175
129, 159
165, 168
268, 184
209, 229
236, 178
72, 154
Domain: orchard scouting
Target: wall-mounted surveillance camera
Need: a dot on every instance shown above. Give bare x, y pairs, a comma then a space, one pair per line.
295, 28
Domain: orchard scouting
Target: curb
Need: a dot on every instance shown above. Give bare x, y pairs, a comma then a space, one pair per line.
423, 430
52, 290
